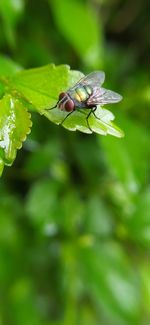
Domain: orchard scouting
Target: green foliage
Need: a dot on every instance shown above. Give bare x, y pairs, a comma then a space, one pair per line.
7, 66
74, 207
139, 225
84, 31
127, 164
108, 276
10, 11
38, 89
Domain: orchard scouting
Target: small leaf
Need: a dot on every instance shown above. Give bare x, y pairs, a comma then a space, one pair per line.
14, 126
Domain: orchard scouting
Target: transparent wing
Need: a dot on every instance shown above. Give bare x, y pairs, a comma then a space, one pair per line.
103, 96
94, 79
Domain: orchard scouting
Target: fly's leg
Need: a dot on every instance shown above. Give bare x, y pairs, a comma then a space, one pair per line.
58, 102
49, 109
94, 110
66, 117
87, 119
80, 111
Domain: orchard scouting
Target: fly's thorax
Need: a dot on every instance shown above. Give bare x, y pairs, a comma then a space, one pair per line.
82, 93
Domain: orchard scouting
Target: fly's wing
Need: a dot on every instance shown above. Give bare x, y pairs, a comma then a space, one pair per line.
94, 79
103, 96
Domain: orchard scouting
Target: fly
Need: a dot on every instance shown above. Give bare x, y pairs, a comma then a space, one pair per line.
87, 93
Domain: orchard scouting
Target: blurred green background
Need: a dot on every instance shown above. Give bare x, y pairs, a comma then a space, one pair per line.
75, 208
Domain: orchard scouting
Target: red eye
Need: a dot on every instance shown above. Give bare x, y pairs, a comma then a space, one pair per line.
62, 95
69, 106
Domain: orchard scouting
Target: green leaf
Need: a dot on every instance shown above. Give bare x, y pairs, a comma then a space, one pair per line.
38, 89
14, 126
81, 29
110, 281
77, 121
41, 88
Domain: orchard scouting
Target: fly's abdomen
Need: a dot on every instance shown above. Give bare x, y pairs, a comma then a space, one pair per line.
82, 93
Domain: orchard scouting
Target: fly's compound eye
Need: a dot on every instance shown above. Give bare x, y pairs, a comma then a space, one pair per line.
62, 95
69, 106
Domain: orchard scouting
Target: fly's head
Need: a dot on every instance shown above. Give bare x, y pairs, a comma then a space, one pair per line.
65, 102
